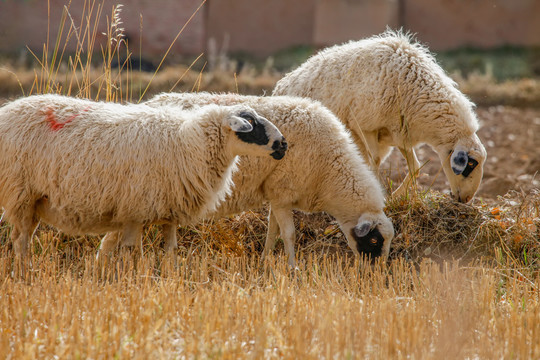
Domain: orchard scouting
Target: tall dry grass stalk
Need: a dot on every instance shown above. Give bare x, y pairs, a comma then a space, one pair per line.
81, 76
88, 72
98, 70
170, 47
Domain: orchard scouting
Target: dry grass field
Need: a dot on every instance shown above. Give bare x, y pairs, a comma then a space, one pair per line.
214, 300
462, 281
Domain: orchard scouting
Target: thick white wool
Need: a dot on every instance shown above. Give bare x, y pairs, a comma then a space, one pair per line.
389, 91
91, 167
322, 171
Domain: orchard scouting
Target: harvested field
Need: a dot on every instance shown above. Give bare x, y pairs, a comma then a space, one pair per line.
212, 304
462, 280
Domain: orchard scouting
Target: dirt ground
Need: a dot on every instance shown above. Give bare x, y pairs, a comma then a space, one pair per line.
512, 140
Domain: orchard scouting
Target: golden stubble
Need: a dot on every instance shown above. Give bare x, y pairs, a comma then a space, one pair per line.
201, 303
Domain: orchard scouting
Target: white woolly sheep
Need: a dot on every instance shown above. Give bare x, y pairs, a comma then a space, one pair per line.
323, 171
93, 167
390, 91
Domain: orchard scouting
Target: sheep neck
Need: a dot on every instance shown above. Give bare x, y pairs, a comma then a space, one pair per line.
436, 122
349, 189
207, 167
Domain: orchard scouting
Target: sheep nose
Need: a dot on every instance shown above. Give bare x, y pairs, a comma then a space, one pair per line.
280, 148
462, 199
280, 145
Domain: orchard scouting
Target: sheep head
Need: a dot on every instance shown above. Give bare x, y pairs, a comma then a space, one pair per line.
463, 165
370, 235
255, 135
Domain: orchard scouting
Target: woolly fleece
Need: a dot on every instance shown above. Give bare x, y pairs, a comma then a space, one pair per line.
323, 170
112, 165
389, 91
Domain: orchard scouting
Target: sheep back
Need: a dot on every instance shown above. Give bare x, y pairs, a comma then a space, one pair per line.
384, 82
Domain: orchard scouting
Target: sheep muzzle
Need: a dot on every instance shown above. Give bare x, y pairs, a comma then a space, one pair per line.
280, 148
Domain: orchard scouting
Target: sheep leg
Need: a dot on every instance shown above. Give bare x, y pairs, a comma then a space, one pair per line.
169, 237
378, 151
285, 222
413, 164
108, 243
272, 233
23, 229
132, 236
373, 151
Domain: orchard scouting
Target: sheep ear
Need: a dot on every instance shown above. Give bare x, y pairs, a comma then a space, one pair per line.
239, 124
363, 229
458, 161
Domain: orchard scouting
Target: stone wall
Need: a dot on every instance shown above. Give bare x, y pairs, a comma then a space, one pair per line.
262, 27
24, 23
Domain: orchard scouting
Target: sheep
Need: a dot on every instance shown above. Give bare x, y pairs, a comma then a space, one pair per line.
389, 91
94, 167
323, 171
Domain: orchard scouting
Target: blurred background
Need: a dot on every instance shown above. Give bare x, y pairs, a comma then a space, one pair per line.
500, 36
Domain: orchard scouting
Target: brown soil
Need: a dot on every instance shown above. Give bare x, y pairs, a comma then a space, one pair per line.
512, 140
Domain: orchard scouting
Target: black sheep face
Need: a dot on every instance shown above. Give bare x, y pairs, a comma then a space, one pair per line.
370, 244
259, 135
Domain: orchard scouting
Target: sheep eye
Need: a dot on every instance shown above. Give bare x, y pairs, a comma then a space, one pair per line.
373, 241
248, 117
471, 164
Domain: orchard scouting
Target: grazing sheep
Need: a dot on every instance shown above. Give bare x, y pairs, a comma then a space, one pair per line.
390, 91
323, 171
92, 167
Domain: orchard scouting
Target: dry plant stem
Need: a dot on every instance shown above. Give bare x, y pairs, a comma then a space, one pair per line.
82, 78
183, 74
413, 165
170, 47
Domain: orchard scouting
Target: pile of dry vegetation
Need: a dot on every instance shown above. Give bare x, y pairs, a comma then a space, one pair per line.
428, 225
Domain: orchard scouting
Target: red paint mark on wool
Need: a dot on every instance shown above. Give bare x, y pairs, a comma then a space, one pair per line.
56, 125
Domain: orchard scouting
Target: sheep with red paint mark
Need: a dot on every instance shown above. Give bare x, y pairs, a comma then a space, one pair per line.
92, 167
